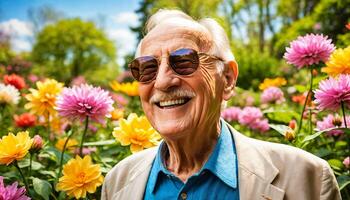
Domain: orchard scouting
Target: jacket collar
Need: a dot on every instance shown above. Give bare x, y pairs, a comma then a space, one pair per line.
255, 172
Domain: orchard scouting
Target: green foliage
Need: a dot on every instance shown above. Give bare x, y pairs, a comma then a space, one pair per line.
72, 47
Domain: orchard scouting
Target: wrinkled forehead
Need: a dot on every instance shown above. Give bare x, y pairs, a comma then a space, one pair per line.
169, 37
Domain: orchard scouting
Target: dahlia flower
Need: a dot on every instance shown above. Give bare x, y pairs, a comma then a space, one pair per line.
14, 147
84, 101
348, 26
42, 100
272, 95
25, 120
231, 114
116, 114
80, 176
136, 132
268, 82
332, 92
8, 94
130, 89
11, 192
339, 62
309, 50
253, 118
15, 80
71, 144
331, 121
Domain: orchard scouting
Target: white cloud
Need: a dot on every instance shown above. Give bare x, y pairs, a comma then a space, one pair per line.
125, 42
21, 44
15, 27
126, 18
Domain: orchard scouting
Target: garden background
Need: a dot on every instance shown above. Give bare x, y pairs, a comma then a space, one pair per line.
72, 55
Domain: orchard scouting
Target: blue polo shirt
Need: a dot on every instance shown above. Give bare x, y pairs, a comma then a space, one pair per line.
218, 178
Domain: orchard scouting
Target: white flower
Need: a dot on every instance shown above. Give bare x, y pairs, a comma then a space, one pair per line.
9, 94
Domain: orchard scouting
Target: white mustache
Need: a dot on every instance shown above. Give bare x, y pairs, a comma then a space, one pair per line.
174, 94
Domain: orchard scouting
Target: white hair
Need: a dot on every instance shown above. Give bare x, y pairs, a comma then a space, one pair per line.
221, 45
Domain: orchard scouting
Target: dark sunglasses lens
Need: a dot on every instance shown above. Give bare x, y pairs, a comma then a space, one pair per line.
184, 61
144, 68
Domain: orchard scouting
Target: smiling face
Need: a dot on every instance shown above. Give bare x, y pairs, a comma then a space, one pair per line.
179, 105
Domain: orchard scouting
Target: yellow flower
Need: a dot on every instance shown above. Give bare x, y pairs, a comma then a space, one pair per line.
277, 82
131, 89
14, 147
136, 132
42, 100
80, 175
116, 114
72, 143
339, 62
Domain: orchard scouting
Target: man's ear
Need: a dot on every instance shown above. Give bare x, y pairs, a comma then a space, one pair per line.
230, 75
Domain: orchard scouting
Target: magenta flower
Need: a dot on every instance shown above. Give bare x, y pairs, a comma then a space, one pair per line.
84, 101
272, 95
332, 92
309, 50
331, 121
231, 114
11, 192
253, 118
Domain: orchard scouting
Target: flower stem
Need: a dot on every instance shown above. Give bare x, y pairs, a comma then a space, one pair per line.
346, 126
83, 136
70, 133
24, 179
30, 164
307, 97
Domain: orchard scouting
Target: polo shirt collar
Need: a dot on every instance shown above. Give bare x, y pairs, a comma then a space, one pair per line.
222, 162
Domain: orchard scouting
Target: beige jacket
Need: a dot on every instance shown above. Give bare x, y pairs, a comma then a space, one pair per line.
267, 171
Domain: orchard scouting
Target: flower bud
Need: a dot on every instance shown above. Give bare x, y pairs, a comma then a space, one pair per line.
290, 135
346, 162
37, 143
292, 124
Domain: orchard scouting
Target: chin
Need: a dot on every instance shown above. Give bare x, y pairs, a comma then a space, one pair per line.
172, 128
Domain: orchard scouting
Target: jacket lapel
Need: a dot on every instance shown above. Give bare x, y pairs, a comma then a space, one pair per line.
256, 170
136, 185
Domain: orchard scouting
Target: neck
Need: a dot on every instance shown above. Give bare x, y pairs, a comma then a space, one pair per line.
188, 154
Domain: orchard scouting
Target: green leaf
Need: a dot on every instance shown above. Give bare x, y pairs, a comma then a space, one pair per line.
323, 152
343, 181
281, 115
282, 129
315, 135
300, 88
100, 143
43, 188
341, 145
336, 164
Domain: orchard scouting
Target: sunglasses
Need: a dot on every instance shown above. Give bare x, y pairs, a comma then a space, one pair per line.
182, 61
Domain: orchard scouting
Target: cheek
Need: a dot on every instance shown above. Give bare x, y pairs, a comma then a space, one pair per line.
210, 80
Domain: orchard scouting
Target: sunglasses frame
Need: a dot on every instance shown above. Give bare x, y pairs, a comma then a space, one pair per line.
198, 54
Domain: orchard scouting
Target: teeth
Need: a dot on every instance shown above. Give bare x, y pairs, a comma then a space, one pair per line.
171, 102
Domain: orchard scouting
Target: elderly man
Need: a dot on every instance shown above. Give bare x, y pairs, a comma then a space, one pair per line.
186, 70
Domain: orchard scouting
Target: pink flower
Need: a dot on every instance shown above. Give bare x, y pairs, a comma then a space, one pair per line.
78, 80
84, 101
11, 192
249, 115
309, 50
37, 144
253, 118
231, 114
86, 150
332, 92
331, 121
346, 162
272, 95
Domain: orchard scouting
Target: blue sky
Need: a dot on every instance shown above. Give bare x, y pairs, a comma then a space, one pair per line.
118, 16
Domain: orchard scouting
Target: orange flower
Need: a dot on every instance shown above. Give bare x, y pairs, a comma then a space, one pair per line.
348, 26
15, 80
300, 99
25, 120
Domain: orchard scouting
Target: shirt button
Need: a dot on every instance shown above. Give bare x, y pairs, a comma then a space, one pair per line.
183, 195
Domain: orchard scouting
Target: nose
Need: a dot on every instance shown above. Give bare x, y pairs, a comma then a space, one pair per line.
166, 79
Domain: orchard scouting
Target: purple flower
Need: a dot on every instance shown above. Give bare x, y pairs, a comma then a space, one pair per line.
309, 50
253, 118
332, 92
272, 95
84, 101
231, 114
11, 192
331, 121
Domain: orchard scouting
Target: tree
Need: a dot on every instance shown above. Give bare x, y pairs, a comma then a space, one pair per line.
72, 47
